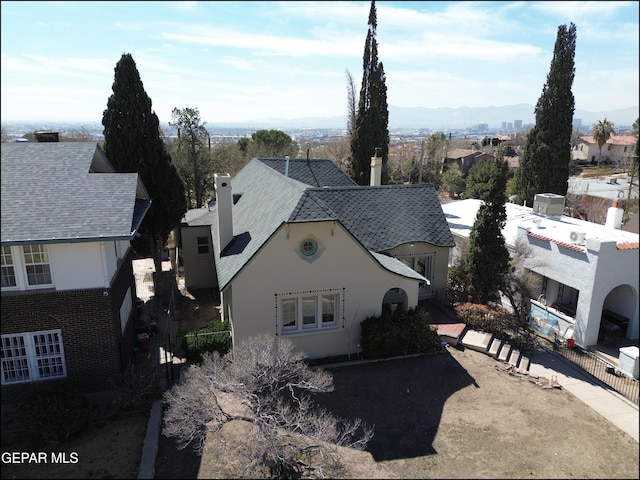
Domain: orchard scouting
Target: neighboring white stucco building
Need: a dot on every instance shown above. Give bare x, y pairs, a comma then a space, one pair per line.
588, 272
618, 148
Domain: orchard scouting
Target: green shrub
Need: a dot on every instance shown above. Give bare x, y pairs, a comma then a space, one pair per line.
409, 333
55, 414
214, 337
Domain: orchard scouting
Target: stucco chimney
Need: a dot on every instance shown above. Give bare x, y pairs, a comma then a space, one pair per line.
614, 216
224, 203
376, 169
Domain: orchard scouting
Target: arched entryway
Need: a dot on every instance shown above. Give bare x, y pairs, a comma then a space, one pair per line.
617, 311
394, 302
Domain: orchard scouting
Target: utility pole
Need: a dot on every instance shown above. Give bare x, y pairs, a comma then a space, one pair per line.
634, 161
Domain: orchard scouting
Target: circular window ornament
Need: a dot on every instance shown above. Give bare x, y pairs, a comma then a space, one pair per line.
309, 247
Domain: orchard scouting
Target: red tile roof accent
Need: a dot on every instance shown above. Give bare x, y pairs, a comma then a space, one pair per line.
570, 246
578, 248
628, 246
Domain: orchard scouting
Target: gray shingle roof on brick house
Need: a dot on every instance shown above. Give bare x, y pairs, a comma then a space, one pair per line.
379, 218
64, 192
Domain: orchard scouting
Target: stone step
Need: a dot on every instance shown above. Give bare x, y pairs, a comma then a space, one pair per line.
504, 352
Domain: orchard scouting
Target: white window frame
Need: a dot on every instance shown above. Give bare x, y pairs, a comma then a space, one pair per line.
199, 245
20, 266
33, 353
42, 251
8, 268
302, 319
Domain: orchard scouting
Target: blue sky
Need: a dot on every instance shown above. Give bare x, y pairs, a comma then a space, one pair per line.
238, 61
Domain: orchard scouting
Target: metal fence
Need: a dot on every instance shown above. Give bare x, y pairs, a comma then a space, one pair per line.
155, 356
599, 368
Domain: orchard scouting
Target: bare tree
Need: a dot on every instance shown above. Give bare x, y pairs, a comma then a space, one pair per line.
273, 385
522, 281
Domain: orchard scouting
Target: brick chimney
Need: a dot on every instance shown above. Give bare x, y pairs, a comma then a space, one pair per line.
224, 203
376, 169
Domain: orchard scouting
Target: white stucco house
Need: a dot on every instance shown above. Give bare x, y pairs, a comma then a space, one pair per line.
301, 251
618, 148
588, 288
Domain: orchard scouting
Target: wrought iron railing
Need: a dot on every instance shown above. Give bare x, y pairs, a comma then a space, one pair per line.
599, 368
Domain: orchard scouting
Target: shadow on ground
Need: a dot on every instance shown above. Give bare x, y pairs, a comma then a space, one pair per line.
402, 398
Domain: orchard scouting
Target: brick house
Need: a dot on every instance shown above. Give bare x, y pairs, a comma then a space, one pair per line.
68, 290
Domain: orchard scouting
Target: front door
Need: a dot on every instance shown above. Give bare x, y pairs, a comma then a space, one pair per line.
423, 264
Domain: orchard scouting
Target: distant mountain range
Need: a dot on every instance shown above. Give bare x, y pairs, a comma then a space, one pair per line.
400, 118
443, 118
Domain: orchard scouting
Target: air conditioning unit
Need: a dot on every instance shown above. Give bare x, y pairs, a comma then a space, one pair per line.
548, 204
577, 237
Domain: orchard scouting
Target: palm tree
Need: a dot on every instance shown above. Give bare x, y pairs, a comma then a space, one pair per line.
602, 132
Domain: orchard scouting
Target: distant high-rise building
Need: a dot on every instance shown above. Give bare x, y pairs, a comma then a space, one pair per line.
517, 124
504, 125
509, 126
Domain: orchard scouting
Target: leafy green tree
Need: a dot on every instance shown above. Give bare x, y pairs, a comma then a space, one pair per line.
635, 128
453, 183
133, 143
269, 144
544, 165
479, 180
191, 155
371, 129
487, 263
602, 132
227, 157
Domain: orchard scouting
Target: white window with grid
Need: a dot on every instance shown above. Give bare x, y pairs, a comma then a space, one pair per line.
36, 263
8, 269
28, 357
309, 312
26, 267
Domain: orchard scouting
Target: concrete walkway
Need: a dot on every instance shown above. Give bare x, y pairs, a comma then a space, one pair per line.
614, 407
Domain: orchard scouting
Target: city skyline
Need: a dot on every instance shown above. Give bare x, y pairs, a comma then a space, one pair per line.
244, 61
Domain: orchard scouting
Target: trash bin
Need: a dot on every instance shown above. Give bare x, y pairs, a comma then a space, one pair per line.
571, 343
629, 360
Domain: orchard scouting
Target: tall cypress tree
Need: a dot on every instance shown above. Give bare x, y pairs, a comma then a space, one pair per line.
371, 128
544, 165
133, 143
487, 263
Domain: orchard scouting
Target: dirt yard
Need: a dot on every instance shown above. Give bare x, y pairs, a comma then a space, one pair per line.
454, 415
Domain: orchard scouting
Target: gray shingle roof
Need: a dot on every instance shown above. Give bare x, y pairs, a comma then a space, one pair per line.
49, 195
313, 172
267, 200
380, 217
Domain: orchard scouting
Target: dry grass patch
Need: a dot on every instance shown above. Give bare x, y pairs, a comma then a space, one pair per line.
109, 450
